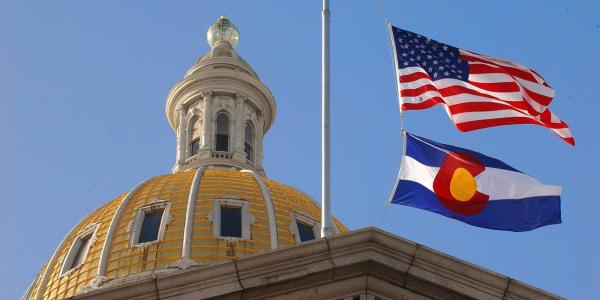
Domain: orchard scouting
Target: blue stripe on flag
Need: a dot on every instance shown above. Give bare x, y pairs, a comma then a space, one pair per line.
425, 151
512, 215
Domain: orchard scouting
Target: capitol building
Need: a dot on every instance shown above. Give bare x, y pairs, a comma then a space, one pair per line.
218, 228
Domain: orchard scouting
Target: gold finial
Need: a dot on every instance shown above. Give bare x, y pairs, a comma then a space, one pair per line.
222, 31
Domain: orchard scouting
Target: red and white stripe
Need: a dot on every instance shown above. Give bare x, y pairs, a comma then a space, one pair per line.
498, 92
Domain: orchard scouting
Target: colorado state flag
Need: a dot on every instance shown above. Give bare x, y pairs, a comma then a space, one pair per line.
473, 188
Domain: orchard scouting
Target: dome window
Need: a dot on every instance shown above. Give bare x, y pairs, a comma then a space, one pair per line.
222, 133
231, 219
304, 228
249, 141
149, 223
194, 146
195, 134
79, 249
305, 232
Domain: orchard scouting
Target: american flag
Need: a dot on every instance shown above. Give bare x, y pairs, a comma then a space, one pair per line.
477, 91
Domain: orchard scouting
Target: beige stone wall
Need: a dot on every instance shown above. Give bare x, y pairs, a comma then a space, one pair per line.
364, 264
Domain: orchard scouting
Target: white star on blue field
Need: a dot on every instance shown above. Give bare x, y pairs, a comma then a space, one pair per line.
437, 59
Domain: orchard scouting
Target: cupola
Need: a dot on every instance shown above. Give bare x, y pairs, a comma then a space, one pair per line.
220, 111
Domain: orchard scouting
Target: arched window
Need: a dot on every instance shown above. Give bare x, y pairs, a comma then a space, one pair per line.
195, 134
222, 133
249, 141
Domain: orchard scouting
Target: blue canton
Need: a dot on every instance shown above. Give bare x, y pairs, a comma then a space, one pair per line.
437, 59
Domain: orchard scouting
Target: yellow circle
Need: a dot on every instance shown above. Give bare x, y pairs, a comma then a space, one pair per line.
462, 185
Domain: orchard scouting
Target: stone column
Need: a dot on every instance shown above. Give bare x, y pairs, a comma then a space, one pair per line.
238, 129
207, 121
185, 139
181, 136
260, 133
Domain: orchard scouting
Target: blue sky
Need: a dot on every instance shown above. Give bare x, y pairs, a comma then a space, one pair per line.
83, 87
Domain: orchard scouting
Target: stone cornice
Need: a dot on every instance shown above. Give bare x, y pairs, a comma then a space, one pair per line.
364, 260
245, 84
221, 60
216, 162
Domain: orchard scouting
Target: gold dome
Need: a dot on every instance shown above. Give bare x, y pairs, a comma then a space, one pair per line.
124, 261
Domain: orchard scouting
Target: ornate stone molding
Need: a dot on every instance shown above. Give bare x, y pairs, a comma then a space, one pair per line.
367, 261
206, 93
90, 229
240, 97
185, 263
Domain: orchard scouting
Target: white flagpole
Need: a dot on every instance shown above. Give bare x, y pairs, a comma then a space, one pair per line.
325, 131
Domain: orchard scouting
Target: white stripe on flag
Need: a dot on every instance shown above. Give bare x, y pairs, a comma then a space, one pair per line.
415, 171
498, 184
422, 97
562, 132
506, 96
410, 70
468, 98
502, 184
415, 84
537, 88
450, 82
502, 77
490, 78
487, 115
534, 104
504, 62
